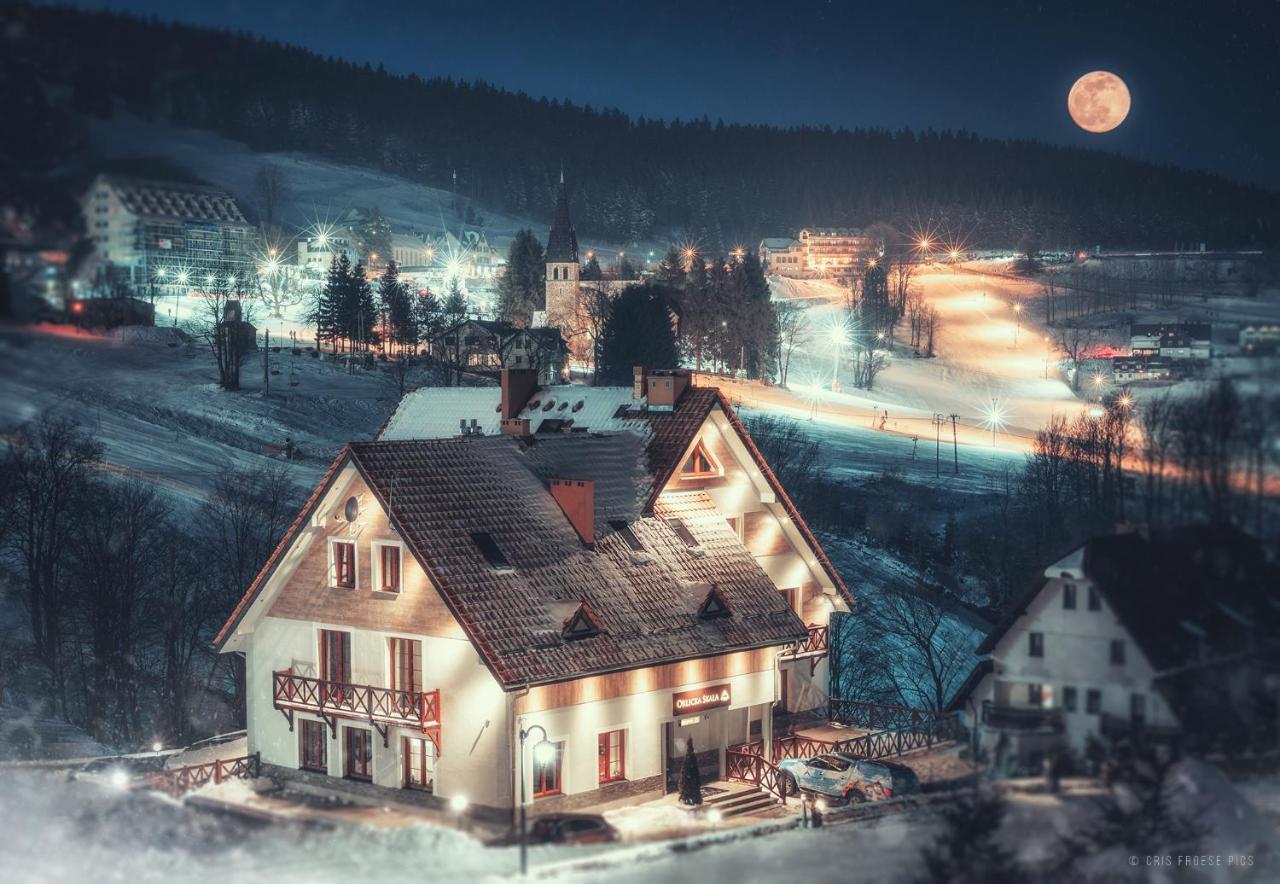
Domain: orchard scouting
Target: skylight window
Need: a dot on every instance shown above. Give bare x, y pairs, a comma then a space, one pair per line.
629, 536
682, 531
713, 605
489, 548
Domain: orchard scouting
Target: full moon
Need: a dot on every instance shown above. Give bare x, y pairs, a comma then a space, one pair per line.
1098, 102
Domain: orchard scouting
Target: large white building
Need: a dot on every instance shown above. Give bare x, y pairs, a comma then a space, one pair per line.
817, 252
1126, 635
165, 233
615, 571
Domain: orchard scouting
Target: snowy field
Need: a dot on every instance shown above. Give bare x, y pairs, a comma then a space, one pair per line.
159, 413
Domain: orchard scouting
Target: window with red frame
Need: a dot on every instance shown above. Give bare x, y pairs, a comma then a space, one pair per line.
335, 663
700, 464
613, 756
406, 655
389, 568
546, 774
314, 746
359, 753
344, 565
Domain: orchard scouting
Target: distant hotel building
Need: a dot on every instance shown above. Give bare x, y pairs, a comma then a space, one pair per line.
145, 227
816, 252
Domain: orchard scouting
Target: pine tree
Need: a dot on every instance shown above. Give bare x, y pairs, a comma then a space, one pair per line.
522, 288
671, 269
591, 271
357, 311
326, 310
455, 304
967, 851
427, 316
637, 331
690, 778
399, 325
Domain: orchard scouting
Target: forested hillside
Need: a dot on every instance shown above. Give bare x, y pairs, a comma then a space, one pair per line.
632, 179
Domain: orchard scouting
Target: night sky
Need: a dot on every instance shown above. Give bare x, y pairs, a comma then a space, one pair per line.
1205, 77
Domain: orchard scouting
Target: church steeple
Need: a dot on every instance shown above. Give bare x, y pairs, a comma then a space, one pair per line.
562, 242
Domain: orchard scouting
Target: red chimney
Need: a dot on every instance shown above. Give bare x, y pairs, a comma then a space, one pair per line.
638, 385
666, 387
577, 498
518, 385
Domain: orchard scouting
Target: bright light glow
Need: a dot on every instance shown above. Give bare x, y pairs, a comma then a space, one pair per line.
955, 254
458, 803
820, 805
231, 282
157, 746
183, 276
994, 415
544, 752
119, 777
162, 273
714, 816
1017, 308
1125, 401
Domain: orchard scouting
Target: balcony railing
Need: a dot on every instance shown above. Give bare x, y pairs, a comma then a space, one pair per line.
1021, 718
180, 780
381, 707
813, 646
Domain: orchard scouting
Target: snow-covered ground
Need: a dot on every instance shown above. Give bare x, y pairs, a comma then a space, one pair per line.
160, 415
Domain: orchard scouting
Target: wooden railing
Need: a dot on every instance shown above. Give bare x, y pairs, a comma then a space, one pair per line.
180, 780
367, 702
742, 765
813, 646
926, 732
878, 716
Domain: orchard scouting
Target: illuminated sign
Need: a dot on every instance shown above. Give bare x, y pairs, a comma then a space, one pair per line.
701, 699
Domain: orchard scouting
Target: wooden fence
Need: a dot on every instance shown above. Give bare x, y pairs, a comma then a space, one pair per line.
180, 780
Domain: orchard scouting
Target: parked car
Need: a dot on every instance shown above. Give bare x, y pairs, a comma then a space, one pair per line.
847, 778
571, 828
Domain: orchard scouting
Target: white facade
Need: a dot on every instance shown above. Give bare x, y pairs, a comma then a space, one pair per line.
1061, 650
480, 722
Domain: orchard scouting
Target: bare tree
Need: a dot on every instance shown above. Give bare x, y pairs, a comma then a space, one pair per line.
1074, 343
271, 188
794, 330
224, 323
48, 466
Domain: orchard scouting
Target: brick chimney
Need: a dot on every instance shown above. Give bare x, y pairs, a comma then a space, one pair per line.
638, 390
577, 497
518, 385
666, 386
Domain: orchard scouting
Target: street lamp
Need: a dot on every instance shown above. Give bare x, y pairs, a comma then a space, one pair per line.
543, 753
1017, 312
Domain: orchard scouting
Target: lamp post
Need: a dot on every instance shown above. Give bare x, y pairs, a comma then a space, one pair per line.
1017, 312
543, 753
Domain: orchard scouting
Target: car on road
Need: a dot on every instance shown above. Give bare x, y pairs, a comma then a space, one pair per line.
571, 828
847, 778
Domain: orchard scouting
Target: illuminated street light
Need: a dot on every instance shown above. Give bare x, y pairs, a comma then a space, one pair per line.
544, 753
994, 417
1125, 401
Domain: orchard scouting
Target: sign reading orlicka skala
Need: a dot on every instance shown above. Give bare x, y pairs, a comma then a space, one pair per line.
699, 700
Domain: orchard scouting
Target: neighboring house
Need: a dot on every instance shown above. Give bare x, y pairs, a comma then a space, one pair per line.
165, 234
316, 253
486, 346
1127, 369
1166, 635
1261, 339
1185, 340
617, 567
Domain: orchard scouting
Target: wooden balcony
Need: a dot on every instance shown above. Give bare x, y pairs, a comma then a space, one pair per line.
812, 647
1021, 718
380, 707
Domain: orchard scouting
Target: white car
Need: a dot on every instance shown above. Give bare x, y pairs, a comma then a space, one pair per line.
849, 778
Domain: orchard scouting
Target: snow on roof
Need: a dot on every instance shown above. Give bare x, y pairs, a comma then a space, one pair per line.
435, 412
176, 200
1071, 565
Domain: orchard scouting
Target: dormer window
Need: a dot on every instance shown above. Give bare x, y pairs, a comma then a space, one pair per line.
713, 606
701, 464
582, 623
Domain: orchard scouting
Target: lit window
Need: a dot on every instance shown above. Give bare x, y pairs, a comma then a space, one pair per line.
546, 773
419, 763
406, 657
701, 464
613, 756
342, 564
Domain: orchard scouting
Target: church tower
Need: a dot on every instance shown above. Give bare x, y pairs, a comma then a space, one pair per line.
563, 294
